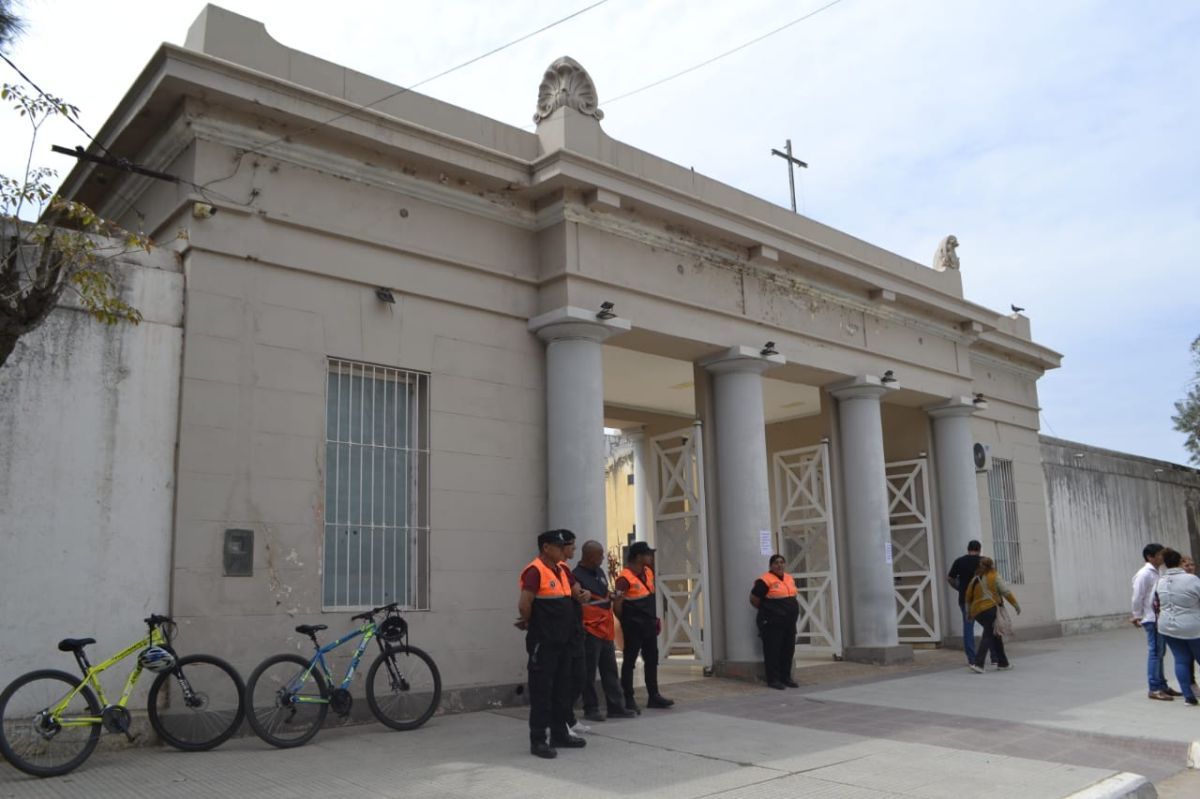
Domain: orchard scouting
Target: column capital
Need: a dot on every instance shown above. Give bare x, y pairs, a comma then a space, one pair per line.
955, 406
742, 359
571, 322
861, 387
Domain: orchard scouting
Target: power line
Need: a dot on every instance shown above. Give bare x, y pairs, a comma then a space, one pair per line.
705, 63
259, 149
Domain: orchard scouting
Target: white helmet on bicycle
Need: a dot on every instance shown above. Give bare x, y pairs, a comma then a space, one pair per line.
157, 659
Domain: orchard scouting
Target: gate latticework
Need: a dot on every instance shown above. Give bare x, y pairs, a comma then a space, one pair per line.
803, 511
918, 618
680, 536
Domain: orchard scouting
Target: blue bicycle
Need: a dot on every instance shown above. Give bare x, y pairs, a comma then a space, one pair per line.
288, 697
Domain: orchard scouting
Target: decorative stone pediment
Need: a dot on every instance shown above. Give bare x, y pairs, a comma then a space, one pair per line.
566, 83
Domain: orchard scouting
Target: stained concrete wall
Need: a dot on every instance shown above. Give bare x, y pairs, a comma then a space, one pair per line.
1103, 508
88, 417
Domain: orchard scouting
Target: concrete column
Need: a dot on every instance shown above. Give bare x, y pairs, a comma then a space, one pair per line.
643, 503
743, 501
575, 417
873, 634
957, 488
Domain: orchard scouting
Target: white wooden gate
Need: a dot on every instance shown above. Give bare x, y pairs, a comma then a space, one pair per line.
804, 518
681, 540
918, 617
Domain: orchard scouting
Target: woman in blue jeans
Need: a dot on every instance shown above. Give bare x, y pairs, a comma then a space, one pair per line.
1178, 595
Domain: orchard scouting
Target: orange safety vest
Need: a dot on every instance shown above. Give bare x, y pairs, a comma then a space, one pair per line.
779, 587
639, 587
552, 585
598, 622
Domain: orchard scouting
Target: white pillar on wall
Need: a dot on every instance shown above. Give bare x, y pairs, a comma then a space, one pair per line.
743, 496
957, 487
642, 501
873, 633
575, 417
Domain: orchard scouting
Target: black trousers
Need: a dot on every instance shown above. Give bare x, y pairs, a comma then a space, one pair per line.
577, 674
779, 651
640, 639
601, 655
990, 642
549, 689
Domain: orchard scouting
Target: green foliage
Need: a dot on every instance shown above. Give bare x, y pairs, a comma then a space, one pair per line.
1187, 410
68, 247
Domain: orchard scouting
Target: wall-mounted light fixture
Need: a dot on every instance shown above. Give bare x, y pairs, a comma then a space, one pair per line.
888, 377
606, 311
385, 295
768, 349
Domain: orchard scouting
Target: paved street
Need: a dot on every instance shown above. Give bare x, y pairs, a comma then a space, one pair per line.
1070, 715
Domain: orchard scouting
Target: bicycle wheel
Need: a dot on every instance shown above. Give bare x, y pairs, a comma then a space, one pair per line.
34, 740
285, 707
403, 687
198, 704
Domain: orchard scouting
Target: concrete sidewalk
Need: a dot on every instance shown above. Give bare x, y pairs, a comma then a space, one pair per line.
1070, 717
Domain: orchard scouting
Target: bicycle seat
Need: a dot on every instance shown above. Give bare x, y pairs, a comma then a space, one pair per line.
74, 644
309, 629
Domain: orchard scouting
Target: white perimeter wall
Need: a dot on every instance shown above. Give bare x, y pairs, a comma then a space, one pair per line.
87, 438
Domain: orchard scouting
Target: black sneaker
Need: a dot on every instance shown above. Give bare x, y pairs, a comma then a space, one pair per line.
542, 749
620, 713
790, 683
660, 701
593, 715
778, 686
569, 742
631, 706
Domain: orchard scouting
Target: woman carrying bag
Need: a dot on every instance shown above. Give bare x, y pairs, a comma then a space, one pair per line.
985, 598
1177, 598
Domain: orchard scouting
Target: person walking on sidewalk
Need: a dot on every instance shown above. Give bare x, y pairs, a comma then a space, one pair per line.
599, 652
1178, 596
986, 594
774, 595
637, 608
1142, 615
961, 572
546, 611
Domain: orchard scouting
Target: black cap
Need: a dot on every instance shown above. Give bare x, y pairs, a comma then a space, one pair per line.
554, 537
639, 548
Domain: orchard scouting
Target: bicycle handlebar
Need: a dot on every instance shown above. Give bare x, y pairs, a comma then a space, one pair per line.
369, 615
155, 619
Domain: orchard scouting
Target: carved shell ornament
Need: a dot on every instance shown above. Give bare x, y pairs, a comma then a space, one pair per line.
568, 84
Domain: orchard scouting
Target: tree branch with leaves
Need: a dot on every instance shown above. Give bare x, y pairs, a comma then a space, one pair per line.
67, 248
1187, 410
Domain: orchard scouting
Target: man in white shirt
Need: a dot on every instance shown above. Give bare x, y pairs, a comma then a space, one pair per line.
1143, 616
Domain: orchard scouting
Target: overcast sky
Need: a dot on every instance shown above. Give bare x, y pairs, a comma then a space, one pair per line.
1057, 139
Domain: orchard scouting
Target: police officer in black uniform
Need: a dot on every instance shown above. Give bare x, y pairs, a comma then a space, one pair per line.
547, 613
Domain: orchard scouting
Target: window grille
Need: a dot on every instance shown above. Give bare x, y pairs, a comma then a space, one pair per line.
376, 487
1006, 534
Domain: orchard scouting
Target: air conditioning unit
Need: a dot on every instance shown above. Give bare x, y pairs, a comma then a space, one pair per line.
983, 457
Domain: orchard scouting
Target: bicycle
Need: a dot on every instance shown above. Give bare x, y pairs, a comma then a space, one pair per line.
288, 697
50, 720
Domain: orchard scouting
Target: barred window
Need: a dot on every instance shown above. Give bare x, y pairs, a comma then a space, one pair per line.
1006, 534
376, 487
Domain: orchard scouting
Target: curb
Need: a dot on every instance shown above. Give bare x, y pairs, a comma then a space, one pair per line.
1118, 786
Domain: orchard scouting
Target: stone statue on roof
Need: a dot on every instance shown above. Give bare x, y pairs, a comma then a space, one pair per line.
946, 257
566, 83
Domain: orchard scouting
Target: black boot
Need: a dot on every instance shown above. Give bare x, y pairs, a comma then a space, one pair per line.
568, 741
631, 705
542, 749
659, 701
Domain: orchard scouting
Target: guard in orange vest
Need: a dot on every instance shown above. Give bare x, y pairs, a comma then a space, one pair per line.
774, 594
637, 608
599, 652
547, 614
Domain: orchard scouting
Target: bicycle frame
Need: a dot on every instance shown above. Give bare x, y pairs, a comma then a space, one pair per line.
368, 633
91, 678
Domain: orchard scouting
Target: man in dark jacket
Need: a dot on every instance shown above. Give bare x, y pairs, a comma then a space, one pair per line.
959, 578
599, 651
637, 608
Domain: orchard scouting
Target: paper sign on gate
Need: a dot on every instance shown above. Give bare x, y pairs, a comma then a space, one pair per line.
765, 545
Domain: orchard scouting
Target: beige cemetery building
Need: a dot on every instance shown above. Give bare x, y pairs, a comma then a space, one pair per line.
405, 329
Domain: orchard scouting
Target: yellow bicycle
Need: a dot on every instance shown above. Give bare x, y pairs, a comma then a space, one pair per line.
50, 721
